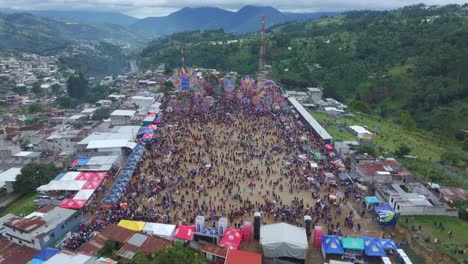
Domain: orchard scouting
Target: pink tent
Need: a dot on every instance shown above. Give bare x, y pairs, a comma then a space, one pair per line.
73, 204
153, 127
184, 232
91, 176
73, 163
232, 239
91, 185
247, 229
147, 137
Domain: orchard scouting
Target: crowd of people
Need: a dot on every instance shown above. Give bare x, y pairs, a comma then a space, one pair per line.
230, 160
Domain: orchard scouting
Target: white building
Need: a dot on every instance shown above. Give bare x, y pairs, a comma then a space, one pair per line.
361, 132
8, 178
123, 117
143, 101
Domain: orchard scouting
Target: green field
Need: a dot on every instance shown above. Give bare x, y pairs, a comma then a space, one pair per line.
24, 206
458, 226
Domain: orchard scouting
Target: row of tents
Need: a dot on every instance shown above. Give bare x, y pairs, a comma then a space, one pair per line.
372, 247
122, 180
146, 133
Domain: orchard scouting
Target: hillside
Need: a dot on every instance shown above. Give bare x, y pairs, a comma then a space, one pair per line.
245, 20
26, 32
411, 59
86, 16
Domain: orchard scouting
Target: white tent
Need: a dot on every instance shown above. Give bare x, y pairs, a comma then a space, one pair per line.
83, 195
62, 186
283, 240
162, 230
70, 176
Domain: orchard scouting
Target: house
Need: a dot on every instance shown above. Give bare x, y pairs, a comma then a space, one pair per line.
361, 132
13, 253
123, 117
375, 173
41, 228
8, 178
63, 141
315, 94
143, 101
105, 103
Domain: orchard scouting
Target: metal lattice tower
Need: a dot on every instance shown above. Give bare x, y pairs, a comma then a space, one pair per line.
182, 60
261, 61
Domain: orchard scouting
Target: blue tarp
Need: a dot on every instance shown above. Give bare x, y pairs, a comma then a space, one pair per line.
37, 261
373, 248
46, 254
58, 177
332, 245
82, 161
372, 200
210, 231
141, 131
388, 244
384, 207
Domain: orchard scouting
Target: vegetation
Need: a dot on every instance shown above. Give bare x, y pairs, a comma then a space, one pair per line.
77, 87
102, 113
24, 206
406, 64
104, 59
430, 227
34, 175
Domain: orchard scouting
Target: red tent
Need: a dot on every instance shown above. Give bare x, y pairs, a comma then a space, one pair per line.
91, 176
184, 232
232, 238
73, 204
244, 257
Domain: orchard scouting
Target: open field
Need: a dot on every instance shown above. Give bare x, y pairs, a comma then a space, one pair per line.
430, 227
24, 206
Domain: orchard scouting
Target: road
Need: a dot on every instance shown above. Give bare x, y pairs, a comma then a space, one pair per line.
133, 66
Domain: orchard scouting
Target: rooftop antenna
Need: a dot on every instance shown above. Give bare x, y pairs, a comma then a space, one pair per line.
261, 61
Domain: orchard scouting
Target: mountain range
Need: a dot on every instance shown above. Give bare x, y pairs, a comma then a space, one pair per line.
245, 20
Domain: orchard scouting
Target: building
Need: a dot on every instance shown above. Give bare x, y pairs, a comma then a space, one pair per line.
41, 228
413, 199
8, 178
361, 132
108, 142
123, 117
63, 141
143, 101
315, 94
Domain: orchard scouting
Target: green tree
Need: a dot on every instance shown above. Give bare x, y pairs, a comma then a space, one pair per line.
34, 175
77, 87
20, 90
465, 144
56, 89
79, 124
402, 150
167, 70
361, 106
36, 88
102, 113
35, 108
177, 254
367, 149
407, 121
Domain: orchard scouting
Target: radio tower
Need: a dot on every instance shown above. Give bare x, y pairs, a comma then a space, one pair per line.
261, 61
182, 57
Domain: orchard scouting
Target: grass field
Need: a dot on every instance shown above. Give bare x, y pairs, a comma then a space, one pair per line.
24, 206
458, 226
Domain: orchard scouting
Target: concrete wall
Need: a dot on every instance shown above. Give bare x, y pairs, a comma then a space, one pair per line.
427, 210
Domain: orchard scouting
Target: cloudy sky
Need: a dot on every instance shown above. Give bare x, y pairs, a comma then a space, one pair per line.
145, 8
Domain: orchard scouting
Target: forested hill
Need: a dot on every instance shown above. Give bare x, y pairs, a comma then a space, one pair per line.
412, 59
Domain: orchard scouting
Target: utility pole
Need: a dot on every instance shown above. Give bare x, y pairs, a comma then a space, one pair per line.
261, 61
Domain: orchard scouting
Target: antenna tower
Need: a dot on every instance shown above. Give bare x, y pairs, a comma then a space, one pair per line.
261, 61
182, 57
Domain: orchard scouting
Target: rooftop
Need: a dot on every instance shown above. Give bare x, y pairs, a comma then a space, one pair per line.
13, 253
123, 113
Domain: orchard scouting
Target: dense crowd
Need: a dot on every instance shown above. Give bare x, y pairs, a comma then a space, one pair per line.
230, 161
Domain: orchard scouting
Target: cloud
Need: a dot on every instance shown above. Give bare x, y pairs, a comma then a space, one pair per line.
143, 8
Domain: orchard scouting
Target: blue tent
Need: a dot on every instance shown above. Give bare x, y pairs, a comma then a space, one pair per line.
210, 231
387, 215
141, 131
58, 177
388, 244
45, 254
372, 200
82, 161
373, 248
332, 245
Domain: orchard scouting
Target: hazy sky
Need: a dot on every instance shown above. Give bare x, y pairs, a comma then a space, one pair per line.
145, 8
